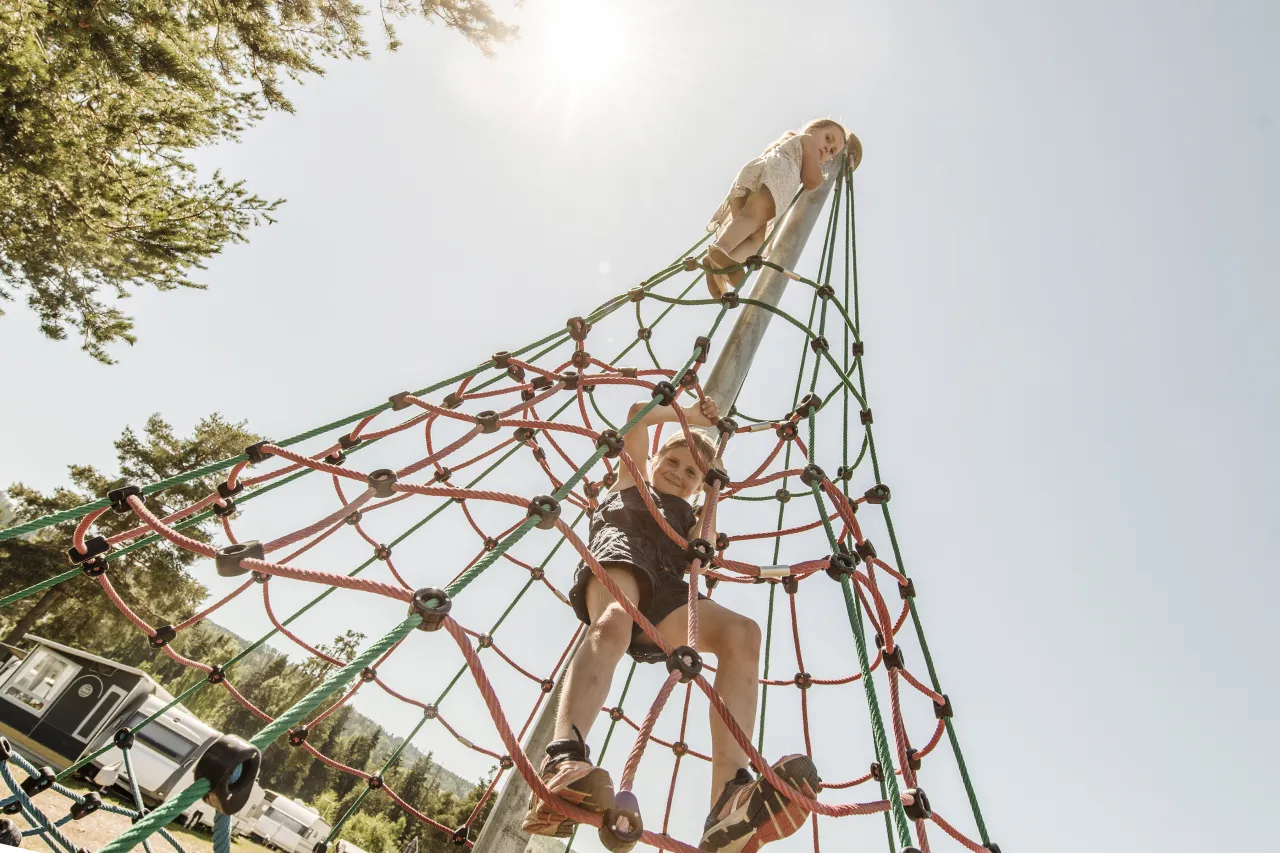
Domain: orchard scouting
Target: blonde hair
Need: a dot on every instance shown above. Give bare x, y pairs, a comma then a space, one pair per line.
703, 446
816, 124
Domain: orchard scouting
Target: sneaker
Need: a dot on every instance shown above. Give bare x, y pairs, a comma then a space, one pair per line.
568, 772
752, 811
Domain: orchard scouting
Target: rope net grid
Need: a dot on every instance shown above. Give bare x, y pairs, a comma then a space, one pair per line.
482, 484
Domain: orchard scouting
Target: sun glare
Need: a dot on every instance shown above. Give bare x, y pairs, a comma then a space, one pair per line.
584, 43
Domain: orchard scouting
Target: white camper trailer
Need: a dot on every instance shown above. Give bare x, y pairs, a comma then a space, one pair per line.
200, 814
290, 826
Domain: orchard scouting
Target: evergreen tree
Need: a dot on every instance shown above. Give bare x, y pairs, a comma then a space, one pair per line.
319, 774
101, 103
154, 580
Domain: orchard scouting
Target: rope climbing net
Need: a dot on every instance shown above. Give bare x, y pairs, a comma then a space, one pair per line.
544, 406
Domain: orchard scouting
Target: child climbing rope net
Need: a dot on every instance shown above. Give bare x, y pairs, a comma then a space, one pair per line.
542, 403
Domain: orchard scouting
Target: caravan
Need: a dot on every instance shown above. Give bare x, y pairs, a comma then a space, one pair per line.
290, 826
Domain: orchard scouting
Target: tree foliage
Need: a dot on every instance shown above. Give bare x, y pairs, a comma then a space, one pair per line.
101, 103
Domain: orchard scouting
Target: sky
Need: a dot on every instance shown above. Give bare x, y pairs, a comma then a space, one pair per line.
1067, 281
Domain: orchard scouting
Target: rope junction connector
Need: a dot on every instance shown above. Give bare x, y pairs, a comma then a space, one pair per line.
460, 836
840, 566
865, 417
611, 442
368, 674
812, 476
257, 455
400, 401
819, 344
782, 495
578, 328
803, 680
727, 426
374, 782
442, 475
227, 561
354, 518
845, 472
859, 349
621, 827
943, 711
123, 738
516, 372
501, 359
700, 549
665, 393
382, 482
94, 546
644, 333
348, 441
717, 478
919, 808
701, 349
227, 493
433, 605
865, 550
337, 457
452, 400
42, 781
298, 735
731, 299
570, 380
825, 292
227, 508
808, 406
629, 372
89, 803
878, 494
216, 675
907, 590
686, 661
787, 431
546, 509
636, 294
230, 766
163, 636
523, 434
913, 758
580, 359
488, 421
120, 497
722, 543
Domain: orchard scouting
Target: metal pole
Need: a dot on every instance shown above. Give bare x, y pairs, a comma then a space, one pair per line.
501, 833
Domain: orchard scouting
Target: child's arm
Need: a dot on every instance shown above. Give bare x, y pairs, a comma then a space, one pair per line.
636, 442
811, 164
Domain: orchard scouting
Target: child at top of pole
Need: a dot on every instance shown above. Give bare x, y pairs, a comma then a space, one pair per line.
763, 189
649, 566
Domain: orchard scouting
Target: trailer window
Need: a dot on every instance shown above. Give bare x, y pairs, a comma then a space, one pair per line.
287, 822
39, 680
164, 741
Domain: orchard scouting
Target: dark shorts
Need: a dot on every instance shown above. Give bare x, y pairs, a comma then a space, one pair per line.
661, 594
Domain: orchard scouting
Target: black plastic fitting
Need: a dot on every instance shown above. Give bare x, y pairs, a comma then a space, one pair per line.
878, 494
859, 349
787, 431
825, 292
865, 550
907, 590
612, 443
701, 349
717, 477
120, 497
865, 417
488, 420
665, 393
298, 735
819, 344
501, 359
570, 380
919, 808
216, 675
230, 766
94, 546
226, 492
433, 604
382, 481
399, 401
722, 542
727, 426
943, 711
578, 328
227, 561
731, 299
227, 508
163, 636
256, 452
123, 738
839, 566
812, 476
700, 549
809, 405
686, 661
42, 781
803, 680
546, 509
87, 805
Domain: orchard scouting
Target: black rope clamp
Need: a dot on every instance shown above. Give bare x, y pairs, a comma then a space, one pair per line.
730, 299
216, 675
878, 494
452, 400
717, 478
230, 766
433, 604
460, 836
590, 489
257, 455
629, 372
298, 735
753, 263
615, 714
993, 847
865, 550
686, 661
812, 476
491, 543
727, 426
484, 641
636, 294
399, 401
913, 758
348, 441
227, 508
516, 372
95, 568
907, 590
6, 750
337, 457
163, 636
808, 406
368, 674
919, 808
839, 565
612, 443
354, 518
804, 680
712, 583
87, 805
123, 738
943, 711
819, 344
120, 497
578, 328
94, 546
442, 475
722, 543
382, 481
547, 685
782, 495
644, 333
680, 748
547, 510
506, 762
488, 420
826, 292
621, 828
665, 393
877, 772
859, 349
894, 659
226, 492
374, 782
42, 781
865, 417
791, 584
541, 383
580, 359
688, 379
787, 431
228, 559
700, 549
845, 472
609, 479
525, 433
570, 380
701, 349
430, 712
501, 359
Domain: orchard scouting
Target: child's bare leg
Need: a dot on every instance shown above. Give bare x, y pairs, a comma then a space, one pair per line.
735, 641
757, 209
590, 673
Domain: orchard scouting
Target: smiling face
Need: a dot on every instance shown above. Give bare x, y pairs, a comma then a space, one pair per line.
675, 472
830, 140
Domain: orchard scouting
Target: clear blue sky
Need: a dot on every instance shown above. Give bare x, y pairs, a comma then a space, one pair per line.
1066, 220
